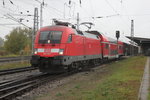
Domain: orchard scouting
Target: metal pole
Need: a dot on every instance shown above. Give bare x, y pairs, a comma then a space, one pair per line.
41, 15
41, 12
132, 35
77, 21
117, 47
35, 27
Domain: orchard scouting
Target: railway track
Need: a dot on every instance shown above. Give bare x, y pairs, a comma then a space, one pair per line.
10, 89
16, 70
10, 59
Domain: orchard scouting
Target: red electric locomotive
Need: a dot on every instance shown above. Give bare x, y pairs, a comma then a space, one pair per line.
58, 48
61, 48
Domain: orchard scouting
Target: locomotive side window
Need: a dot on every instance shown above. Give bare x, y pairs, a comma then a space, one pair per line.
69, 39
75, 32
91, 35
50, 37
97, 37
106, 46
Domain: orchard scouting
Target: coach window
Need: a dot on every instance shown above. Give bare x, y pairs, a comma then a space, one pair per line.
120, 47
69, 39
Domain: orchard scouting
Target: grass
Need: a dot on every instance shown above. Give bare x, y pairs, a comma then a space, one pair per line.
149, 95
117, 81
10, 55
14, 65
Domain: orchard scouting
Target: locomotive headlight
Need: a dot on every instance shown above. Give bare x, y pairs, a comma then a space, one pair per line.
61, 51
39, 50
35, 51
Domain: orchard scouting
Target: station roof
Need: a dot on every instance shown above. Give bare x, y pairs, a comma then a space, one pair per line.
139, 40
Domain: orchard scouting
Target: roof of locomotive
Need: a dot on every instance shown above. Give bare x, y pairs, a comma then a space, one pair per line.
103, 37
61, 27
55, 27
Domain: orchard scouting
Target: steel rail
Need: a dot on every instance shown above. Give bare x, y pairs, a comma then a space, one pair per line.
21, 86
9, 88
10, 59
16, 70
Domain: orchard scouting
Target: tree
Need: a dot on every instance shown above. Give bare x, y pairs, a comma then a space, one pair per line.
17, 40
1, 42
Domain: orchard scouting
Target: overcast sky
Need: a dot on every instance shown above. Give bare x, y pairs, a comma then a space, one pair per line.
117, 14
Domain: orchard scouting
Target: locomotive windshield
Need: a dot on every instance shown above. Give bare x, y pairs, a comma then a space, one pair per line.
50, 37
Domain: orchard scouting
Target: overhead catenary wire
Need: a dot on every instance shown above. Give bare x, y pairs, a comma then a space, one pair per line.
6, 10
91, 17
12, 5
12, 13
111, 7
9, 1
14, 19
55, 9
18, 9
124, 22
58, 13
52, 13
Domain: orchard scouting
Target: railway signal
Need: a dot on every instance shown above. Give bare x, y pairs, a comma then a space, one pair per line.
117, 36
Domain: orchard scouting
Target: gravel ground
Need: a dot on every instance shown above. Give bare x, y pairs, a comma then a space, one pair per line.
41, 90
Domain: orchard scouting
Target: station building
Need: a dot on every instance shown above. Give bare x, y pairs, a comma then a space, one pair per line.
144, 44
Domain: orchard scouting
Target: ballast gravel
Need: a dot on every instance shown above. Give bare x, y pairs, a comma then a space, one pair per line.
43, 89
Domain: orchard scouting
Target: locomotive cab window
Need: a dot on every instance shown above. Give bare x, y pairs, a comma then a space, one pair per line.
50, 37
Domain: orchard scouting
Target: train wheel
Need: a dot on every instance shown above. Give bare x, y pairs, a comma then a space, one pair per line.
95, 62
72, 67
85, 64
